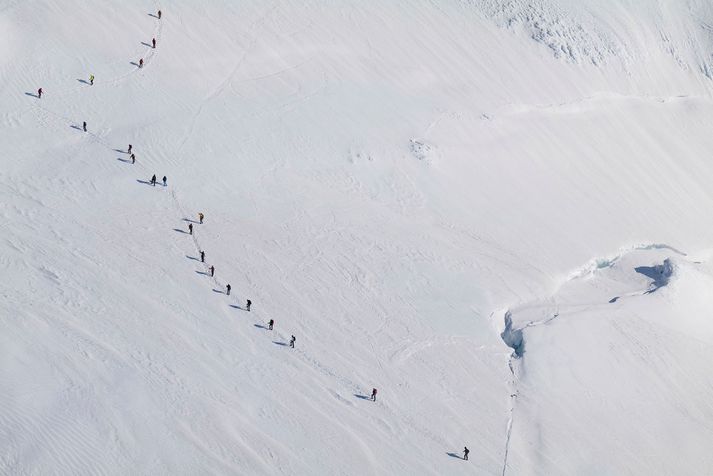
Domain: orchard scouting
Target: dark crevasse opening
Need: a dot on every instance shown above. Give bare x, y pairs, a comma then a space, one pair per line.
513, 337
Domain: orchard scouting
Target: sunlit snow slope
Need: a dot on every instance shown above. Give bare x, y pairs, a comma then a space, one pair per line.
498, 213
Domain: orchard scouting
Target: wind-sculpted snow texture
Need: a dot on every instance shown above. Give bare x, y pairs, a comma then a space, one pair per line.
568, 30
496, 213
599, 32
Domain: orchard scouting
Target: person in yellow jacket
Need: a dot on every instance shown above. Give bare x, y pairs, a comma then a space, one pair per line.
91, 79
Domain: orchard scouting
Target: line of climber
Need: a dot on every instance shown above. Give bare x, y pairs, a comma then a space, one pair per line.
211, 269
140, 64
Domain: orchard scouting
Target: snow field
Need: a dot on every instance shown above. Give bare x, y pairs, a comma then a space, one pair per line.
383, 181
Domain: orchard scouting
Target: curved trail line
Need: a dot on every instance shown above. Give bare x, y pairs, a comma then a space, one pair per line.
228, 79
309, 360
176, 202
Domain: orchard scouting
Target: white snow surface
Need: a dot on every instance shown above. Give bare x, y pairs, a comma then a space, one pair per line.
390, 182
